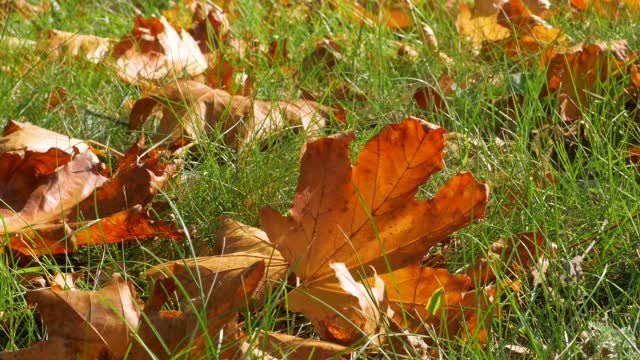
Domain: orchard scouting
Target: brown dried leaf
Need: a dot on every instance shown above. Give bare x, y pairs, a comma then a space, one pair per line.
205, 273
61, 43
84, 324
177, 331
53, 196
23, 7
135, 180
222, 75
576, 72
209, 26
329, 220
154, 49
191, 109
19, 137
52, 199
272, 345
430, 98
238, 246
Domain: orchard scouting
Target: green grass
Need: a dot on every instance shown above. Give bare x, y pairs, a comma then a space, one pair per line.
595, 196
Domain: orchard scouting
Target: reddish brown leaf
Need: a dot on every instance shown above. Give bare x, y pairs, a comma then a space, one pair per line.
222, 75
429, 98
209, 26
581, 70
50, 198
135, 180
57, 238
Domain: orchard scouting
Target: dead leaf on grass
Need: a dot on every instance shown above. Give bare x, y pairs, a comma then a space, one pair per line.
154, 49
238, 246
575, 73
336, 206
273, 345
83, 324
90, 47
165, 333
193, 110
56, 197
519, 254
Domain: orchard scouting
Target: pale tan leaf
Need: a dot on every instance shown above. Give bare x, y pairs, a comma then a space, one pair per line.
17, 137
61, 43
192, 110
277, 346
155, 50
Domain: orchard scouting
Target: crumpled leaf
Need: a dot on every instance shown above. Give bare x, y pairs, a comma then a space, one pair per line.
511, 26
191, 109
54, 200
177, 331
53, 194
84, 324
154, 49
336, 206
61, 43
209, 26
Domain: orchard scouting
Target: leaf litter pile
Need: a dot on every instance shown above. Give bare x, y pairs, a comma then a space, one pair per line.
365, 254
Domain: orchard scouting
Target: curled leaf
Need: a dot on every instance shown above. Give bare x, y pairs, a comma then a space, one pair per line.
191, 109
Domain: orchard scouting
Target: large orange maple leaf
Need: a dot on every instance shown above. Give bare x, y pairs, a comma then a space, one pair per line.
366, 217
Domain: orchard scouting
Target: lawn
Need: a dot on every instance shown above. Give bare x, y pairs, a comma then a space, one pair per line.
566, 174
